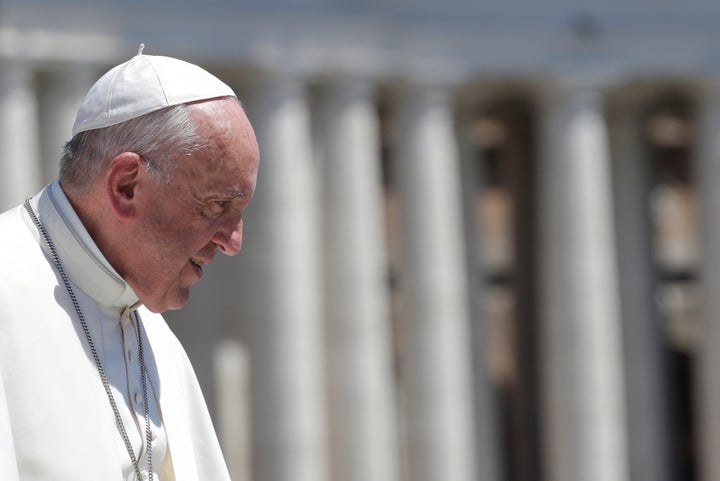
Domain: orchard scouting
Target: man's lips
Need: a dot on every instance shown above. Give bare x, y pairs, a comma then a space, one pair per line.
197, 266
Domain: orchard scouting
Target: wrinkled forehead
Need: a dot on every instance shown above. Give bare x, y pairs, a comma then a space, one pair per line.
230, 154
224, 125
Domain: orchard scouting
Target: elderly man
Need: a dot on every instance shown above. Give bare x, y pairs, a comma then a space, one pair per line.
162, 162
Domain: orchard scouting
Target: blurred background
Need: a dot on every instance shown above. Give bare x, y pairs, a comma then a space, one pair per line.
485, 243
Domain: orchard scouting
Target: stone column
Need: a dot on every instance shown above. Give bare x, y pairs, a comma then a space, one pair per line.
19, 136
708, 358
62, 92
361, 376
436, 361
281, 259
649, 433
584, 421
232, 373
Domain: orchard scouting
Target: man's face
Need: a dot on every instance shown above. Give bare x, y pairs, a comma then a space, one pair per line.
182, 226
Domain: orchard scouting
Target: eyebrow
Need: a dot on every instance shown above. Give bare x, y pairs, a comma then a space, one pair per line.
232, 195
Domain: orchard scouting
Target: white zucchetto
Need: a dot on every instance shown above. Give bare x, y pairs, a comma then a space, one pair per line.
144, 84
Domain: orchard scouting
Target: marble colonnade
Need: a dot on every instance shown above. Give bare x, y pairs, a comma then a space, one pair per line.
324, 402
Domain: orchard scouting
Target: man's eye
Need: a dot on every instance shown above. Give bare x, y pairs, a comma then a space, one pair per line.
216, 208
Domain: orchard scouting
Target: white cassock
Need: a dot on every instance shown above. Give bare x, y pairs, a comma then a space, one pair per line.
62, 426
8, 467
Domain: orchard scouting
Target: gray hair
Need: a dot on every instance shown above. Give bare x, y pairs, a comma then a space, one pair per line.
158, 137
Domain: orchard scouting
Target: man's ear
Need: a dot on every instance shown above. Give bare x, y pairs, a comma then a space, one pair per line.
121, 182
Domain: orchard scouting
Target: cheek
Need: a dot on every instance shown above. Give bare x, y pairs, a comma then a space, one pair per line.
179, 245
176, 238
163, 251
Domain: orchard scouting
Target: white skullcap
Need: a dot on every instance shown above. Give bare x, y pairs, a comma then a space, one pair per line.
144, 84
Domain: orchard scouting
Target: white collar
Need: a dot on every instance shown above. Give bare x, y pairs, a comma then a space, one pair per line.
82, 260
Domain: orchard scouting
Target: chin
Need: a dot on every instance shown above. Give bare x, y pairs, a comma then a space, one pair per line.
156, 308
167, 305
175, 307
178, 301
170, 300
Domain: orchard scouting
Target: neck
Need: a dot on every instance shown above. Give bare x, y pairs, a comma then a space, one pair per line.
92, 212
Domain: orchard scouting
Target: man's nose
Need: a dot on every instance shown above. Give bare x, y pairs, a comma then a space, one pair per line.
229, 239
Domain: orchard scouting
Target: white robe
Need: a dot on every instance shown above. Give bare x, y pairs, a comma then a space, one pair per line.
62, 426
8, 467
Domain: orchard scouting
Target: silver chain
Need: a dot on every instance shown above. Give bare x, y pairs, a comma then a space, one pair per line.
96, 357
